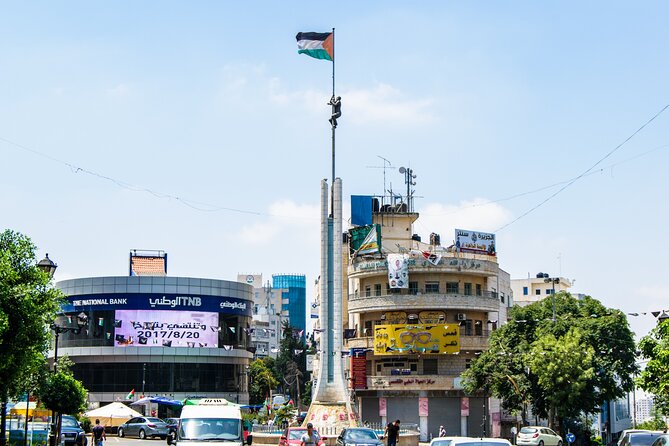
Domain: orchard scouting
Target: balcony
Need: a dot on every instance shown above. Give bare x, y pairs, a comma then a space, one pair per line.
487, 301
450, 263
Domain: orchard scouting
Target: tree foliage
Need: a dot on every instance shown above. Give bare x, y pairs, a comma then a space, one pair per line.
63, 393
262, 381
27, 305
655, 377
291, 363
559, 367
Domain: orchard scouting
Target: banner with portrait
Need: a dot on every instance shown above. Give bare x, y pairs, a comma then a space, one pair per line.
398, 271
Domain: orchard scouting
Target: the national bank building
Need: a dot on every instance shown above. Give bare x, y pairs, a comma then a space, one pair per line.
179, 337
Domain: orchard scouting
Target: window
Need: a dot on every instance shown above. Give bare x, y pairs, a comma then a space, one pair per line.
413, 288
377, 289
452, 287
468, 289
368, 290
469, 327
430, 366
431, 287
537, 292
479, 290
549, 291
525, 291
413, 366
478, 328
501, 297
468, 363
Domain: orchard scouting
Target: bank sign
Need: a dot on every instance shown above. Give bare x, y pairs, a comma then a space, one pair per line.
148, 301
475, 242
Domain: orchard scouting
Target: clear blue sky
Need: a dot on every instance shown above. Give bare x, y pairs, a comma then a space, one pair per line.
210, 102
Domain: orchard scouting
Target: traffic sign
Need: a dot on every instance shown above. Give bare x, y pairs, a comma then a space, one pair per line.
571, 437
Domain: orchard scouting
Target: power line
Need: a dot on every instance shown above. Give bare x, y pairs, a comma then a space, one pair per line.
572, 181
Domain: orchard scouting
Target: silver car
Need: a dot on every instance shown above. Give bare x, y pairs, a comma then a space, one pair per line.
143, 427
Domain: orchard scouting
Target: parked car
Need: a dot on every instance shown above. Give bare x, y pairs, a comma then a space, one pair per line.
71, 432
143, 427
640, 438
662, 440
624, 433
172, 425
538, 436
354, 436
481, 441
446, 441
292, 436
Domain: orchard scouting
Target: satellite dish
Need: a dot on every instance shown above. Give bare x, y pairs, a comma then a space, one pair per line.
402, 170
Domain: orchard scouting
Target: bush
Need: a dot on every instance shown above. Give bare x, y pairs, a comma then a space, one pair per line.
85, 424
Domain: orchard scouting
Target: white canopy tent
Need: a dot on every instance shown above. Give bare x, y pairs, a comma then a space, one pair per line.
113, 414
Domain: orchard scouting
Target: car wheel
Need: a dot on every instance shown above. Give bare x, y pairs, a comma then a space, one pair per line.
560, 443
120, 432
142, 435
541, 443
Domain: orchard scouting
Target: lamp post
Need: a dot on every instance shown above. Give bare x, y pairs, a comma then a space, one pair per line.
82, 321
552, 281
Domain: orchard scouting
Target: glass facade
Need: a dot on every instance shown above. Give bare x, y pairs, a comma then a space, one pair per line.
296, 284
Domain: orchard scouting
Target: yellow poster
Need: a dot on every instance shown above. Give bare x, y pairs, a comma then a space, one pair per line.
394, 339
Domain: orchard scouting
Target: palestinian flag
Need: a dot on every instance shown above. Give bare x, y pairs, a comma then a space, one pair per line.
316, 45
130, 395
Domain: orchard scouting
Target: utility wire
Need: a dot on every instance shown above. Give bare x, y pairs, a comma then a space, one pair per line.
572, 181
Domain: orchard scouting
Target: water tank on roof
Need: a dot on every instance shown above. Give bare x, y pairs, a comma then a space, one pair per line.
415, 237
375, 205
435, 239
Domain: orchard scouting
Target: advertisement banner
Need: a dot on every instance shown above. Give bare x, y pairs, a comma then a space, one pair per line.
464, 406
398, 271
475, 242
383, 411
394, 339
358, 368
155, 328
422, 407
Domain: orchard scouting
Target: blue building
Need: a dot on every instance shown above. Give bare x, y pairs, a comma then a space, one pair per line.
294, 299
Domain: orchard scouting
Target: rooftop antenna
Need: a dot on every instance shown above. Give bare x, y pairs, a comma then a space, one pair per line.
409, 178
384, 167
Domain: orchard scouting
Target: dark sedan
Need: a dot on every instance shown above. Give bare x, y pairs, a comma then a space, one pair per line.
358, 436
71, 432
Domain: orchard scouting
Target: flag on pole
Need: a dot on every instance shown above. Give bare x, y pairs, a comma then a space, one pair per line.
130, 395
316, 45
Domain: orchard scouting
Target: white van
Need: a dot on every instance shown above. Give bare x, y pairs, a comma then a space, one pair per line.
214, 421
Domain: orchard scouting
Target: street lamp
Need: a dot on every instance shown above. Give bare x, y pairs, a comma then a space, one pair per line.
552, 281
82, 321
47, 265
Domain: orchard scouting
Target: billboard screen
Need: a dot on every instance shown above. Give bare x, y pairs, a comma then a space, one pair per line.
475, 242
162, 328
394, 339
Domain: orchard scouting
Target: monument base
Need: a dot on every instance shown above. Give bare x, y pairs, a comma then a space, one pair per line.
329, 417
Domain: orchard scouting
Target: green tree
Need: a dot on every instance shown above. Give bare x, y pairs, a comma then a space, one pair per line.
62, 393
654, 424
511, 370
262, 381
655, 377
291, 362
28, 304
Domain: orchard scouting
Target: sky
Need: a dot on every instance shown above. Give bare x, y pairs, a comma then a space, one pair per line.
195, 128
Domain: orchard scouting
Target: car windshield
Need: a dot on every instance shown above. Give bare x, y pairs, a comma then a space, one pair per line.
441, 443
361, 434
210, 429
69, 422
296, 434
528, 430
642, 439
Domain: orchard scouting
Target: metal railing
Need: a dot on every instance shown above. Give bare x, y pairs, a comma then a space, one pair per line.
422, 291
333, 431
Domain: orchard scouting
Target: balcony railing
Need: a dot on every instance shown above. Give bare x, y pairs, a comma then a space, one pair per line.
469, 340
421, 291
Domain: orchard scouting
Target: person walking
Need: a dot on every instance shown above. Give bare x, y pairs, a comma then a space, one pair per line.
392, 433
311, 438
98, 433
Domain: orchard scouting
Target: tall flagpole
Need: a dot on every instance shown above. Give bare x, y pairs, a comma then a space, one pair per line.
333, 127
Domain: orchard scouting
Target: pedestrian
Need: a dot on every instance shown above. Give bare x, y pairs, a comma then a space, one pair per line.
98, 433
392, 433
514, 431
311, 438
442, 431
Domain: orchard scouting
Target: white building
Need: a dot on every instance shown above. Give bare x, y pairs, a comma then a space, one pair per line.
265, 331
534, 289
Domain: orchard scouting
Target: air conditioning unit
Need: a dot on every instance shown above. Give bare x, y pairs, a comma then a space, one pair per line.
462, 317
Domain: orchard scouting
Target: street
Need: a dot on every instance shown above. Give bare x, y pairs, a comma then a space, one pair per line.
125, 441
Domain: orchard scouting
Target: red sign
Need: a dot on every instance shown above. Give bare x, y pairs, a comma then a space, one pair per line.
382, 408
422, 407
358, 368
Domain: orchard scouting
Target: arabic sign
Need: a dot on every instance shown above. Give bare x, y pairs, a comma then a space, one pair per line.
141, 328
398, 271
154, 301
475, 242
396, 339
